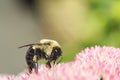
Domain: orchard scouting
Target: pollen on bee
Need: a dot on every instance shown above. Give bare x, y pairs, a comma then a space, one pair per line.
35, 58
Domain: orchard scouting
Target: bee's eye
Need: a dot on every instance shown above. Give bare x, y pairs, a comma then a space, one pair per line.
56, 50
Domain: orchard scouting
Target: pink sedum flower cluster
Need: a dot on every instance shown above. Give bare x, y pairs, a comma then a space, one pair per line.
101, 61
95, 63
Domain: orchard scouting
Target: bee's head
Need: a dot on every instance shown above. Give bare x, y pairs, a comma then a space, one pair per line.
52, 50
56, 52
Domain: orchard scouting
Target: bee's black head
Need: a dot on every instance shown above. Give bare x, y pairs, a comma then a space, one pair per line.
56, 52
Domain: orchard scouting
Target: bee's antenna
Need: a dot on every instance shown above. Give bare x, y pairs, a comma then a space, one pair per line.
61, 57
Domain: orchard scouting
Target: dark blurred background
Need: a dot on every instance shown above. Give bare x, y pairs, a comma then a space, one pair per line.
75, 24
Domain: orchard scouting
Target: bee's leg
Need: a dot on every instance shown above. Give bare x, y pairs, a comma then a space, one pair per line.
36, 67
35, 60
30, 69
53, 62
48, 65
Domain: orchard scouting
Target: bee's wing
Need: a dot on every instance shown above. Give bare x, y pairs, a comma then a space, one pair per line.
29, 45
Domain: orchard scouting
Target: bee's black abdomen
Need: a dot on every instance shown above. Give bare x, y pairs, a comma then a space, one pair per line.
29, 58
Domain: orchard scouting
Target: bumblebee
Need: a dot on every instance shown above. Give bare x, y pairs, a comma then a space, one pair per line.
50, 50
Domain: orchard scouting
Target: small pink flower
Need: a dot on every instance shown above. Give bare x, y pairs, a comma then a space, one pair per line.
95, 63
